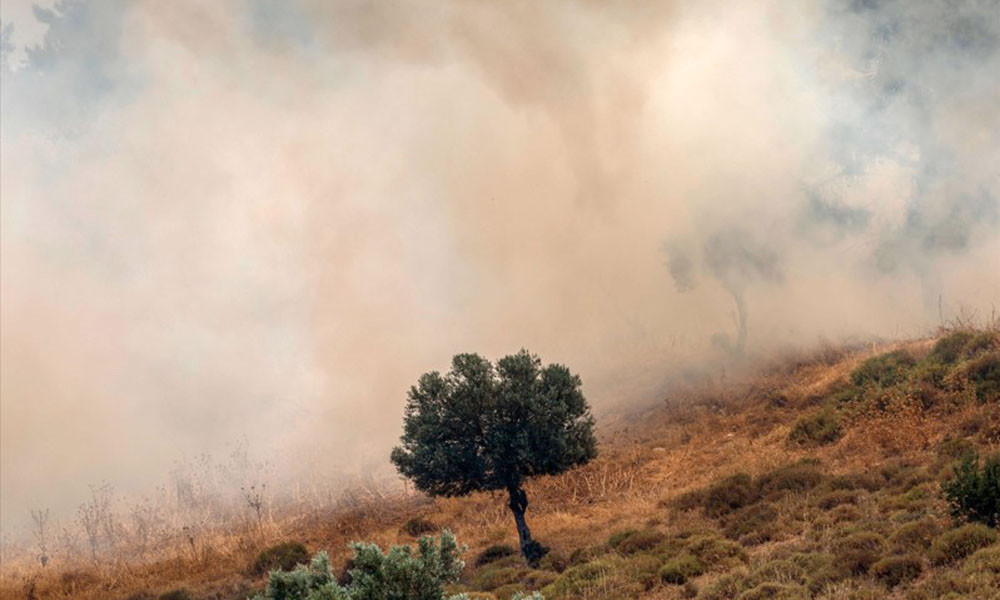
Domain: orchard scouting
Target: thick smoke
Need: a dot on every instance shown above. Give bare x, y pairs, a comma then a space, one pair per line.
265, 219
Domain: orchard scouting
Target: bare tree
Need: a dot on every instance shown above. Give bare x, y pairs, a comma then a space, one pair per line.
40, 532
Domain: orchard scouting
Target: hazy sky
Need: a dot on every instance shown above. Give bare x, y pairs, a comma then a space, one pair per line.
266, 219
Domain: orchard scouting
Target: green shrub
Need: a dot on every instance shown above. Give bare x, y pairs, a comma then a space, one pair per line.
817, 429
955, 448
984, 374
178, 594
985, 561
796, 477
494, 553
400, 574
677, 570
895, 570
716, 553
689, 500
756, 518
618, 537
916, 535
884, 370
283, 556
856, 481
732, 493
609, 575
974, 494
775, 591
418, 526
982, 342
956, 544
779, 571
951, 348
859, 551
640, 541
726, 587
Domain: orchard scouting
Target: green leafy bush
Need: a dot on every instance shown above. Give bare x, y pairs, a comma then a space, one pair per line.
895, 570
817, 429
399, 574
974, 494
984, 375
950, 348
282, 556
796, 477
859, 551
956, 544
775, 591
884, 370
639, 541
756, 518
677, 570
732, 493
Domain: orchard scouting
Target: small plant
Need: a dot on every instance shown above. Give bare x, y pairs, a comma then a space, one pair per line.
884, 370
178, 594
956, 544
974, 494
732, 493
400, 574
816, 429
859, 551
418, 526
678, 569
984, 375
895, 570
284, 556
494, 553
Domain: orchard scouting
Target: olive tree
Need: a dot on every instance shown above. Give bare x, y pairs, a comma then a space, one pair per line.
482, 428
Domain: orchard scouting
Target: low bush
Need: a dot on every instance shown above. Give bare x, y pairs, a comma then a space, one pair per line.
836, 498
796, 477
985, 562
178, 594
856, 481
677, 570
400, 574
494, 553
779, 571
729, 494
817, 429
984, 375
915, 535
974, 494
282, 556
884, 370
418, 526
775, 591
716, 553
895, 570
859, 551
956, 544
640, 541
951, 348
756, 518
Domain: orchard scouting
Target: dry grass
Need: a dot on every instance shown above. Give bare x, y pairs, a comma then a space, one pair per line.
693, 438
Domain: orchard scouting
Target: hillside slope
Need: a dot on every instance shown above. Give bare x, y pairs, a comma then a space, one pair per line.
820, 478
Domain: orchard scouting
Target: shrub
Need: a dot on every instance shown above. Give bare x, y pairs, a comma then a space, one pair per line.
859, 551
724, 588
618, 537
732, 493
984, 374
640, 541
678, 569
716, 553
756, 518
775, 591
884, 370
974, 494
956, 544
796, 477
895, 570
178, 594
418, 526
400, 574
950, 348
856, 481
836, 498
283, 556
689, 500
494, 553
779, 571
817, 429
955, 448
986, 561
916, 535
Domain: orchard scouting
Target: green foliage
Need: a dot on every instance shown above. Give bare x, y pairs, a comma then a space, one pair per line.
775, 591
494, 553
884, 370
984, 374
486, 428
399, 574
956, 544
636, 541
951, 348
817, 429
282, 556
732, 493
915, 535
677, 570
859, 551
796, 477
974, 493
754, 519
895, 570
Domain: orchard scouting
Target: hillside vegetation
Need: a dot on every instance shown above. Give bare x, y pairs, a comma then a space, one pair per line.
861, 474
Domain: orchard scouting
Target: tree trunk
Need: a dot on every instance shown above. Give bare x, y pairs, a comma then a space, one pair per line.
532, 550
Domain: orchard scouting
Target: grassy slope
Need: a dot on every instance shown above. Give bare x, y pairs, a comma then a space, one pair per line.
645, 519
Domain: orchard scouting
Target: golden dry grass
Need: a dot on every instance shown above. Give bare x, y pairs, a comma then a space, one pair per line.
692, 438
